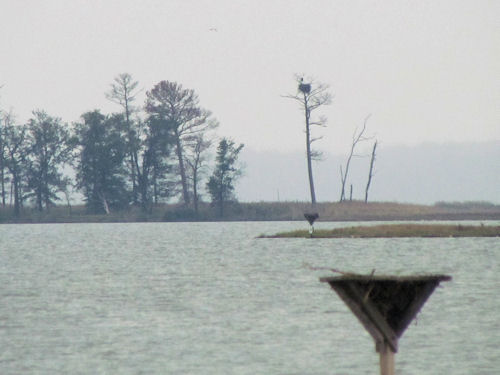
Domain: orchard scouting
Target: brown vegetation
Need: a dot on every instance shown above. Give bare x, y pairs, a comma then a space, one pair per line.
399, 230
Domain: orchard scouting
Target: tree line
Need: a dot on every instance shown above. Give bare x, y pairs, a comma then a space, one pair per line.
140, 156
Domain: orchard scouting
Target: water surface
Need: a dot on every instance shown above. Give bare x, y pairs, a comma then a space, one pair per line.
211, 298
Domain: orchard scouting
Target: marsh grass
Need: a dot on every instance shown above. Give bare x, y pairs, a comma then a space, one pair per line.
397, 230
261, 211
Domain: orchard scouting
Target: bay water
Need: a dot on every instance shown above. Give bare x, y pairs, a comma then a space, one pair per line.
212, 298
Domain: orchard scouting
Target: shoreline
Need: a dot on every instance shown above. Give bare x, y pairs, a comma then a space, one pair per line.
353, 211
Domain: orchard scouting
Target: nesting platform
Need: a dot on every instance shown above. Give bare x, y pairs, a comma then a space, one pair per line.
385, 305
311, 217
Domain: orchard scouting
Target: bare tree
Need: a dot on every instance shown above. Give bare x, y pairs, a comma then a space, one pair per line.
356, 138
311, 96
123, 92
196, 159
65, 187
2, 158
14, 138
370, 173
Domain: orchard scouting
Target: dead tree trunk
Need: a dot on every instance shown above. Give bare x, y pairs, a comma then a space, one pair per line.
307, 114
370, 173
2, 171
356, 138
104, 203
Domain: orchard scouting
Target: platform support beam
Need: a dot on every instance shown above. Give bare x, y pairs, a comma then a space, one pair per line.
386, 360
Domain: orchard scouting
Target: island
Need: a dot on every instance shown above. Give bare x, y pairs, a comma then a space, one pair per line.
396, 231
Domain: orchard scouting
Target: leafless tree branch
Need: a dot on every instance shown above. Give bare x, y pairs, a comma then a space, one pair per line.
357, 137
370, 172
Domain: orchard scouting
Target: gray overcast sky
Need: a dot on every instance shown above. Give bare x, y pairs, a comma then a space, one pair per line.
427, 71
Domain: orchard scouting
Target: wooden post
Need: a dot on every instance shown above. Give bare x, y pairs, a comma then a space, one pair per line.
386, 360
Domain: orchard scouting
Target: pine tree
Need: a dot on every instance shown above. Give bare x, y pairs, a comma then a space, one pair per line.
221, 184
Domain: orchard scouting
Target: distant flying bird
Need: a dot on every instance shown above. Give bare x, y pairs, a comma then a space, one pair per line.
212, 29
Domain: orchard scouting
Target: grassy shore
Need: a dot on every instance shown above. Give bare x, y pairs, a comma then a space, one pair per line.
397, 230
263, 211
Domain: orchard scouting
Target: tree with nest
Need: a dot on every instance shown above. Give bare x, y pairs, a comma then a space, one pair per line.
311, 96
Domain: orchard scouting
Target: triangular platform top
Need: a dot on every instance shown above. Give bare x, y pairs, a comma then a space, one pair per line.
385, 305
311, 217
